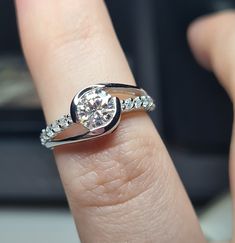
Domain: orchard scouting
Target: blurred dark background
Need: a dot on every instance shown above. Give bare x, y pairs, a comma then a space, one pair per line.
193, 115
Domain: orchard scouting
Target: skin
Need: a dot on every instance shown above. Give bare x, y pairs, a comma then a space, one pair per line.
123, 187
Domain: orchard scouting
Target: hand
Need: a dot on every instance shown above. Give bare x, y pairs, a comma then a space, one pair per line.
122, 187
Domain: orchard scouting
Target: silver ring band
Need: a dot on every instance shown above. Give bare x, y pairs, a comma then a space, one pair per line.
95, 112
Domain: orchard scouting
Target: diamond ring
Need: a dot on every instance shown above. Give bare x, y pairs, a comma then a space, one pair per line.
94, 112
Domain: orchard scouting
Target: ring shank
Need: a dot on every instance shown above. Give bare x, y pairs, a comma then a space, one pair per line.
125, 89
137, 99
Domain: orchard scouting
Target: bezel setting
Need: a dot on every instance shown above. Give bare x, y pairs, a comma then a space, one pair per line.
96, 110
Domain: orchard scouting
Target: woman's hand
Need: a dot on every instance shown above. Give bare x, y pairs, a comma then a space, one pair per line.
122, 187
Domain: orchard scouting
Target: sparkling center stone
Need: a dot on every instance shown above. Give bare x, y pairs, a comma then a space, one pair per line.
95, 109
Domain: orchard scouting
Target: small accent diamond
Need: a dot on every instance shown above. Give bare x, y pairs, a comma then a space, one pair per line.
122, 105
137, 102
63, 122
70, 120
129, 104
150, 103
43, 136
144, 101
55, 127
49, 132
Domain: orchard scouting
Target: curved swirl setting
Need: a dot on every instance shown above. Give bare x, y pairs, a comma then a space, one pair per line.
97, 111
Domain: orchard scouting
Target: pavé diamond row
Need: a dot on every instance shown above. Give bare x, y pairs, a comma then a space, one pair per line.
140, 102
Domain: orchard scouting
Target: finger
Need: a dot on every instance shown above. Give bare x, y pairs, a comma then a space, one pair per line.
123, 187
212, 39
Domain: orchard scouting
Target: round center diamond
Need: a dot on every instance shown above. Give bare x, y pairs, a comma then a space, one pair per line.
95, 109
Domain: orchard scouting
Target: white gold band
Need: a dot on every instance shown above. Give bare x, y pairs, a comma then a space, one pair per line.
97, 112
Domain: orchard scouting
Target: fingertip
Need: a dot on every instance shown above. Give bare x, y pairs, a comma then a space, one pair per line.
198, 41
20, 4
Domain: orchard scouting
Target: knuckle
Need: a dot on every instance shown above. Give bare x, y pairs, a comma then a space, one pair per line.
119, 172
82, 29
76, 39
